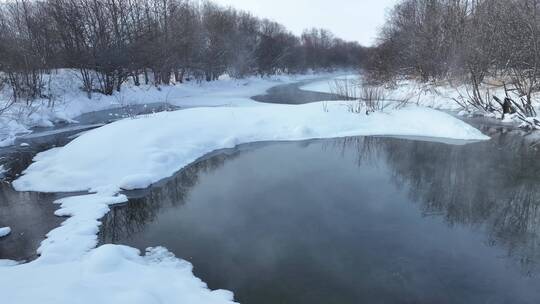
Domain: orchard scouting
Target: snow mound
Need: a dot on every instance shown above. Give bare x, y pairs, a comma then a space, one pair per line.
135, 153
109, 274
5, 231
78, 234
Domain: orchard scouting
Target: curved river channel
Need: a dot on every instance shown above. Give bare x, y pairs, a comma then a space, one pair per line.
356, 220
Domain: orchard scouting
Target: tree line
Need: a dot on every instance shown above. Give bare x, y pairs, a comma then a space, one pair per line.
153, 42
467, 39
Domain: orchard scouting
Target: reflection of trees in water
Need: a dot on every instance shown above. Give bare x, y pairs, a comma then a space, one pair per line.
516, 226
367, 148
490, 185
125, 220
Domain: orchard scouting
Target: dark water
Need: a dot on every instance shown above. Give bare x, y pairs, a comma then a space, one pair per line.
291, 94
29, 214
360, 220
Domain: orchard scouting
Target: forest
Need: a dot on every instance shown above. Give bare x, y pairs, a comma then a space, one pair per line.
157, 42
468, 41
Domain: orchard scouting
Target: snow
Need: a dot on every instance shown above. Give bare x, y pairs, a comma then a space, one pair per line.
8, 141
161, 144
78, 234
9, 129
135, 153
70, 102
327, 85
5, 231
434, 95
109, 274
4, 263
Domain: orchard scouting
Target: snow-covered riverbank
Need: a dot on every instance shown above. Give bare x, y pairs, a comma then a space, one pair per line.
437, 97
69, 101
444, 95
134, 153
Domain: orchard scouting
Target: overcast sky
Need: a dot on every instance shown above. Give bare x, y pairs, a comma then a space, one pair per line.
349, 19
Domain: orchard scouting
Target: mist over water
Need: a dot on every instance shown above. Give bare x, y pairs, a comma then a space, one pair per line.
376, 220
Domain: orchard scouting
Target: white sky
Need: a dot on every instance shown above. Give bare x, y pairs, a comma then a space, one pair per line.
348, 19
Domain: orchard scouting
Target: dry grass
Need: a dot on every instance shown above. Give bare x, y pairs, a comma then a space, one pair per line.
364, 97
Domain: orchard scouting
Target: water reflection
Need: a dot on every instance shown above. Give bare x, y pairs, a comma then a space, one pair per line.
144, 205
31, 217
491, 186
291, 94
359, 219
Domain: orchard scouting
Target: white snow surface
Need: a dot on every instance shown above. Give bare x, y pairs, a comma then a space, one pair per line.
5, 231
428, 95
135, 153
70, 102
110, 274
434, 95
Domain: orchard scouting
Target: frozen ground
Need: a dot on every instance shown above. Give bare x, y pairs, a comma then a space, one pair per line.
70, 268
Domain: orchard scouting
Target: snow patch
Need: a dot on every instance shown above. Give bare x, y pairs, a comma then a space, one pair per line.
136, 181
110, 274
5, 231
161, 144
77, 234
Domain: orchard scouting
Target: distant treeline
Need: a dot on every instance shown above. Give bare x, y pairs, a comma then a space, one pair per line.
152, 42
471, 39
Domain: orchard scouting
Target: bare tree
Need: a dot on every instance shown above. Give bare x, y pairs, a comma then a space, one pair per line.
163, 41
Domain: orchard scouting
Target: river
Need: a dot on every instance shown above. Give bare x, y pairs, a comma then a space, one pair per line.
356, 220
